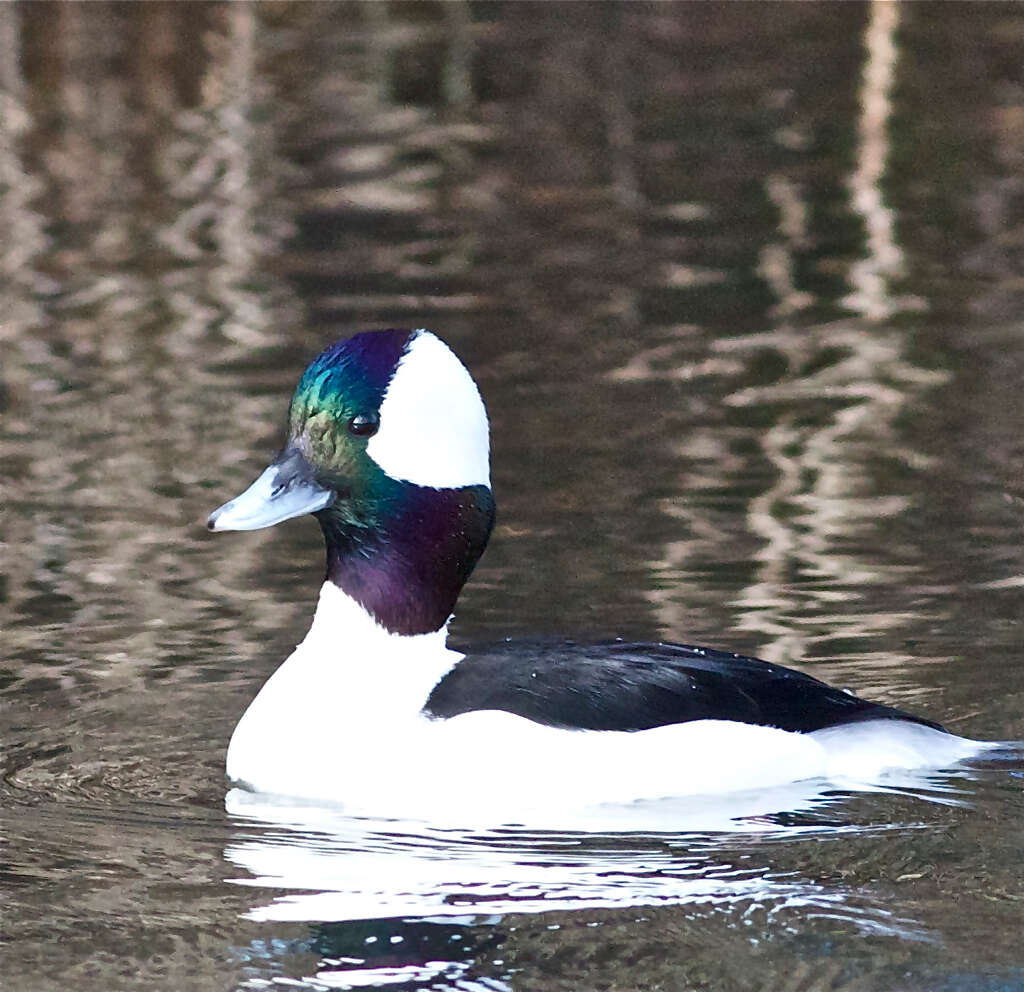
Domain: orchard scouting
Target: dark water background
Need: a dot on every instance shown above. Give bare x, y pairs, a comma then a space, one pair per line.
742, 285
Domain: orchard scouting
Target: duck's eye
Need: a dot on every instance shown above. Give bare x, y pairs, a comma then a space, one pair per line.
363, 425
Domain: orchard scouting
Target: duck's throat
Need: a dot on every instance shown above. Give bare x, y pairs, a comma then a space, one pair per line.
408, 568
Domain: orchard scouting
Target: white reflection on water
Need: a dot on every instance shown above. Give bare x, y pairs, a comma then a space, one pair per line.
705, 851
349, 978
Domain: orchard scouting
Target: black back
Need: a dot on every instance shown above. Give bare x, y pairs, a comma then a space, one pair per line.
616, 685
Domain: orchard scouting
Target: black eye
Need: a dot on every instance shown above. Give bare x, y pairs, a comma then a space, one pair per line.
363, 425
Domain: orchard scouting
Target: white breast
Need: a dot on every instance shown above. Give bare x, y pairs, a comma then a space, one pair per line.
349, 684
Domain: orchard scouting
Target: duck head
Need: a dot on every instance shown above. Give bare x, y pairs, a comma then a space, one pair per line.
388, 448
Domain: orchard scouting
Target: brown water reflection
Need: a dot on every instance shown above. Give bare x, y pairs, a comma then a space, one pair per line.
742, 287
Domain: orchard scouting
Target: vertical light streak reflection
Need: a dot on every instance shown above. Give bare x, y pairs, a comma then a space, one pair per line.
776, 259
834, 412
210, 173
235, 225
769, 595
819, 499
24, 241
623, 151
457, 70
871, 275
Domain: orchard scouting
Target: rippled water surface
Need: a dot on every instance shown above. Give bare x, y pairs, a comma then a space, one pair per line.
742, 285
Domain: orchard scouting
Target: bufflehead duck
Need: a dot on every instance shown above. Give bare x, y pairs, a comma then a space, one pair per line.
388, 447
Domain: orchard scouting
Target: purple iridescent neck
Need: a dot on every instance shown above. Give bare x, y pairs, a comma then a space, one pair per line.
407, 567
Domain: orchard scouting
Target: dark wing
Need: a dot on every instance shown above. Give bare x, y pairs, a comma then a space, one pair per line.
617, 685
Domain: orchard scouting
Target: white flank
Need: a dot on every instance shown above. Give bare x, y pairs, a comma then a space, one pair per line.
433, 425
341, 721
864, 753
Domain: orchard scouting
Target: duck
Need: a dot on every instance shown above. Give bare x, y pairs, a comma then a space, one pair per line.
388, 447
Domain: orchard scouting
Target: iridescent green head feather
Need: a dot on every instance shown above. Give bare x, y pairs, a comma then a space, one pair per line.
335, 409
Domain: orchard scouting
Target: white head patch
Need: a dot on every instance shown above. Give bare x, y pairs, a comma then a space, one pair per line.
433, 425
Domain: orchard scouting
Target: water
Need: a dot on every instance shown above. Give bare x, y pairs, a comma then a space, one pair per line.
741, 285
